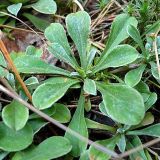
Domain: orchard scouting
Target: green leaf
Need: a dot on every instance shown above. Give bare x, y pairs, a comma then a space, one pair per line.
62, 113
102, 108
120, 104
95, 125
148, 119
37, 124
3, 155
91, 56
33, 51
60, 48
153, 130
34, 65
122, 143
78, 124
14, 8
31, 81
39, 23
118, 31
142, 87
135, 142
15, 115
133, 77
3, 63
84, 155
48, 93
90, 87
45, 6
2, 60
134, 33
119, 56
149, 97
151, 100
154, 70
78, 26
50, 148
11, 140
98, 155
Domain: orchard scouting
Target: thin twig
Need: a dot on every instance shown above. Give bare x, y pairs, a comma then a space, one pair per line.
19, 29
131, 151
101, 15
24, 24
53, 121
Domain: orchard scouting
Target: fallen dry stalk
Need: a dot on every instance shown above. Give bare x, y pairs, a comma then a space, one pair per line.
53, 121
13, 67
156, 52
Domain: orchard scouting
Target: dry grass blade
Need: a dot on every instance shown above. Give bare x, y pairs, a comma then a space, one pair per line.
156, 52
53, 121
4, 13
19, 29
101, 15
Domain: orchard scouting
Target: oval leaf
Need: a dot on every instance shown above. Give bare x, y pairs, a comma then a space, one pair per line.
55, 33
45, 6
78, 26
50, 148
49, 93
15, 115
120, 104
134, 76
62, 113
118, 56
11, 140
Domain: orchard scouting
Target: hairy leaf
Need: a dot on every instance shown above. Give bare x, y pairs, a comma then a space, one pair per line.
119, 56
120, 104
118, 31
78, 26
49, 93
34, 65
59, 46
